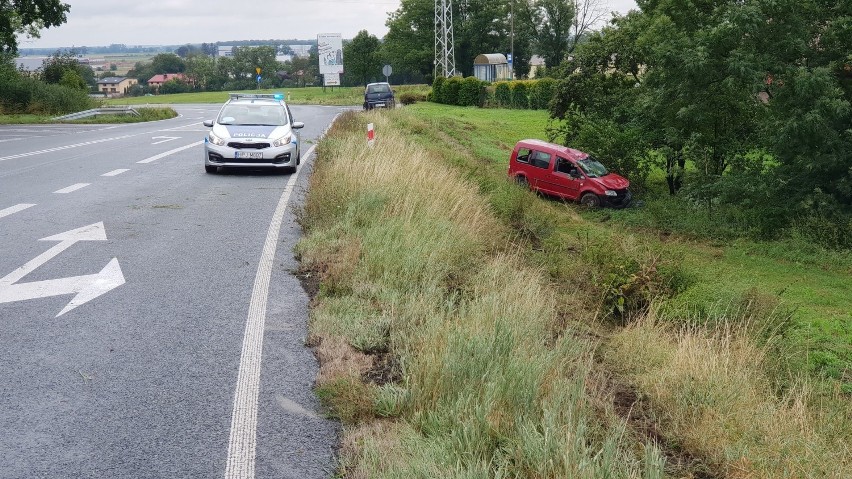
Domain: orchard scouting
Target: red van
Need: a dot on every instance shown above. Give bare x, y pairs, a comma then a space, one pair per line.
567, 173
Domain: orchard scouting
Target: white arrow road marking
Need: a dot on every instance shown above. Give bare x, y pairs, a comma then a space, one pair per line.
14, 209
167, 153
87, 287
164, 139
243, 439
71, 188
116, 172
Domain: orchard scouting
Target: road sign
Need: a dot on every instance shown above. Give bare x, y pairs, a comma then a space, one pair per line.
387, 70
257, 70
509, 58
258, 78
87, 287
331, 79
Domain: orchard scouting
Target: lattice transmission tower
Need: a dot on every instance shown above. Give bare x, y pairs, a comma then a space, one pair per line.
445, 57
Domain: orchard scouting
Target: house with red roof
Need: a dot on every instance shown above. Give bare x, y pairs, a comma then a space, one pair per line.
157, 81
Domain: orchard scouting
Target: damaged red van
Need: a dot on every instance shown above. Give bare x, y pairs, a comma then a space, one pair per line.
567, 173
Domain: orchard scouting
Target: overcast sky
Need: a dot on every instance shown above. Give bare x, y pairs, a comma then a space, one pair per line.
173, 22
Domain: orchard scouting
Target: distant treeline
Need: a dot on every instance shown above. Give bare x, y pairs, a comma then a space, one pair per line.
122, 48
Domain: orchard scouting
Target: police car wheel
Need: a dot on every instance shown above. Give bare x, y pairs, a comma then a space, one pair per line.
211, 169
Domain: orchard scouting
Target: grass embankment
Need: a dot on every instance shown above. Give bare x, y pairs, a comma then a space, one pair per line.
145, 114
471, 329
421, 279
337, 96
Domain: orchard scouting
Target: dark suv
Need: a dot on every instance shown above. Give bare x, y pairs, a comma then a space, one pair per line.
378, 95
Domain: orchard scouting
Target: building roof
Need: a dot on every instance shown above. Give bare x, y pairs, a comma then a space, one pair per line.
537, 60
112, 80
166, 77
490, 59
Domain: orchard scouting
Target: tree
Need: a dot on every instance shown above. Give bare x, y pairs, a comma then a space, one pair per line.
553, 20
167, 63
410, 41
54, 69
361, 58
27, 17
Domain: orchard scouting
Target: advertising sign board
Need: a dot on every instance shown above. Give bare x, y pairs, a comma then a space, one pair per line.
330, 49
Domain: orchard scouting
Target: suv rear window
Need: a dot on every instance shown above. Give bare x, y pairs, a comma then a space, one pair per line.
378, 88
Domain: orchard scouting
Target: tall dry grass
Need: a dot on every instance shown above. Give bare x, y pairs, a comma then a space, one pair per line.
711, 394
415, 266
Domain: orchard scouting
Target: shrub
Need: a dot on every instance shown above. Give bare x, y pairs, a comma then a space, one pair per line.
451, 91
541, 92
409, 98
472, 92
520, 96
503, 94
438, 90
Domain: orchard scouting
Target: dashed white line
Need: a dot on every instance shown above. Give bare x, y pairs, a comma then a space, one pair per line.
167, 153
60, 148
116, 172
243, 439
15, 209
71, 188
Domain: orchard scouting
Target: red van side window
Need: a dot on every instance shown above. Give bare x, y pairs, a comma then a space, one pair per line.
523, 155
540, 159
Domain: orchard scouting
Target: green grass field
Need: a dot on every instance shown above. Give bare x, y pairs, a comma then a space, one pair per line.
812, 283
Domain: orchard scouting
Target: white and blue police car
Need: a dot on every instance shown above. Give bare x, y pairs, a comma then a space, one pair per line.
253, 130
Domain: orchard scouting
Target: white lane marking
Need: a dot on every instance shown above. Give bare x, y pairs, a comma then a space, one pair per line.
14, 209
164, 139
243, 438
116, 172
60, 148
163, 155
72, 188
86, 287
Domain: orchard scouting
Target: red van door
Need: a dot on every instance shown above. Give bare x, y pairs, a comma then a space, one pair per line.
567, 179
540, 175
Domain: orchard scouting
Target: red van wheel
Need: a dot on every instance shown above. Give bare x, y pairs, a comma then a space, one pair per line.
522, 182
590, 199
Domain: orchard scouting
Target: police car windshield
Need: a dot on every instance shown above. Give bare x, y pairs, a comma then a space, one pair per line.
592, 167
253, 115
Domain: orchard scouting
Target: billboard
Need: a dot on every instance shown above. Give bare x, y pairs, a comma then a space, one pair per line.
330, 49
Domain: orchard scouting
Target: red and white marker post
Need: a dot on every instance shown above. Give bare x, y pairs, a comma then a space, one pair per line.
371, 135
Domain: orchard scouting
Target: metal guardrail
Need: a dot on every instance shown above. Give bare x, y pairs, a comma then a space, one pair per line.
107, 110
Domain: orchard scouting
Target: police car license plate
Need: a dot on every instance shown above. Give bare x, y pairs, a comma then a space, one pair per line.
380, 104
253, 155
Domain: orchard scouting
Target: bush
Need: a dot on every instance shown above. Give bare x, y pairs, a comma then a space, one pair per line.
20, 94
438, 90
520, 96
409, 98
451, 91
472, 92
503, 94
541, 92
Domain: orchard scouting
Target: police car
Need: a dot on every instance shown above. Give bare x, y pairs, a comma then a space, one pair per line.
253, 131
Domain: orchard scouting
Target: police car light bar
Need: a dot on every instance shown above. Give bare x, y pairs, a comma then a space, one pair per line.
271, 96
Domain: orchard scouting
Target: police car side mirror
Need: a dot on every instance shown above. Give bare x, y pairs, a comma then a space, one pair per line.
208, 123
298, 124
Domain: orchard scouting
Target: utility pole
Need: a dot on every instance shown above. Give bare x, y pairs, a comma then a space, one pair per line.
445, 57
512, 41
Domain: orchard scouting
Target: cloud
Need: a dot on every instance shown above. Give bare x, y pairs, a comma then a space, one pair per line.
175, 22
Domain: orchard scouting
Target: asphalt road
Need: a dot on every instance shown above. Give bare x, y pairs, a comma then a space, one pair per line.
133, 303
